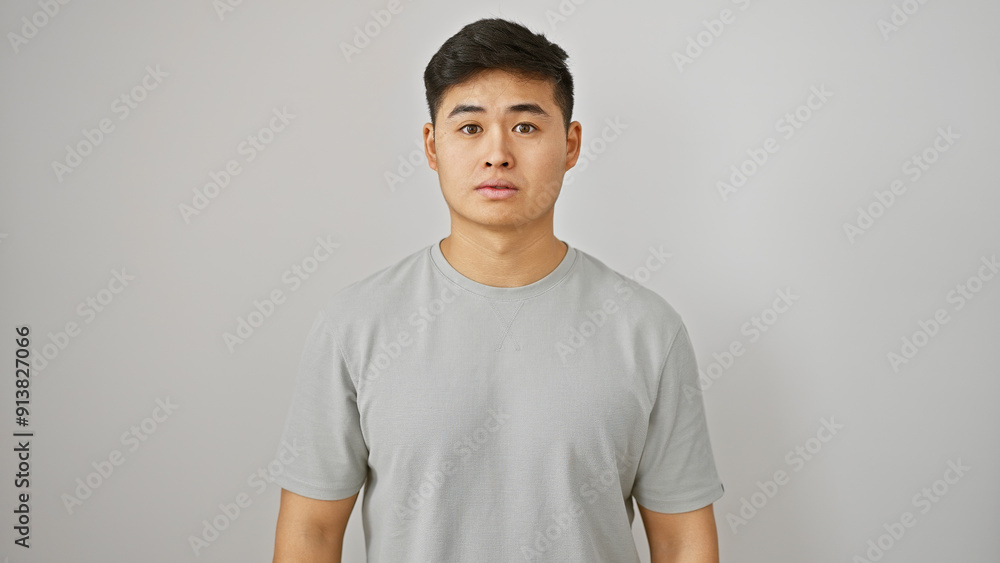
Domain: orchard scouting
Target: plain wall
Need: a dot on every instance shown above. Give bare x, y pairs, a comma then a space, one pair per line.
796, 226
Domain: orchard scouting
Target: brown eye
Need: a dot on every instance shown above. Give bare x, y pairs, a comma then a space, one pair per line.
467, 126
519, 125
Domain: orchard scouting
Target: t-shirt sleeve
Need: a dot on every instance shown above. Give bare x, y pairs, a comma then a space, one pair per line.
677, 471
322, 431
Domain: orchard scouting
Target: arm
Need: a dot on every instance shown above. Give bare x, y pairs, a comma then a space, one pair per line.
685, 537
311, 530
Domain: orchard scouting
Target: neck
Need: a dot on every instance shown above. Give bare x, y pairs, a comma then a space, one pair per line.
502, 259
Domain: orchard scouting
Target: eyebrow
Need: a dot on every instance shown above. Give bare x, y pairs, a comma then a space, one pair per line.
534, 109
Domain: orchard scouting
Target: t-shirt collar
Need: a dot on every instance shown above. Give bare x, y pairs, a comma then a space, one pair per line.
504, 293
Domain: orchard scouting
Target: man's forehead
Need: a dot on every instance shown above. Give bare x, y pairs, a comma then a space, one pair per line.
499, 91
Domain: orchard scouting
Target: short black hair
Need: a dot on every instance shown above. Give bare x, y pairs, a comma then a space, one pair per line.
494, 43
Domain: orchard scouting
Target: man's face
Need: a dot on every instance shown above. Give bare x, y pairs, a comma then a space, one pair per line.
499, 126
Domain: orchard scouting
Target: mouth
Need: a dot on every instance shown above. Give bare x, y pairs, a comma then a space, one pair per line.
497, 185
497, 189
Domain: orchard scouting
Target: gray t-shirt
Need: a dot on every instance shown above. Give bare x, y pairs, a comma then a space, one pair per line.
500, 424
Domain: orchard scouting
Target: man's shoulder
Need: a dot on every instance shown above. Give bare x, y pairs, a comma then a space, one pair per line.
382, 292
644, 305
378, 290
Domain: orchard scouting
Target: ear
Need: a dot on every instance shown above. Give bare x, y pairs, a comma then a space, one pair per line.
430, 148
573, 140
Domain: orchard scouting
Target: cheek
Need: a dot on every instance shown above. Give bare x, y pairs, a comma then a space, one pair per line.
455, 158
547, 160
454, 169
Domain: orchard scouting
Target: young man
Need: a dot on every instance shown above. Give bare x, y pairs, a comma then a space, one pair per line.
501, 395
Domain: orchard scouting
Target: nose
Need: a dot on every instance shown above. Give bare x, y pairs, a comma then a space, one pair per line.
498, 152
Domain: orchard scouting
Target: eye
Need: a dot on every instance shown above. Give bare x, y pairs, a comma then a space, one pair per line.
464, 127
519, 125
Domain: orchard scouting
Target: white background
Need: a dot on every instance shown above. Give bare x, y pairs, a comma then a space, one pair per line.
62, 237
